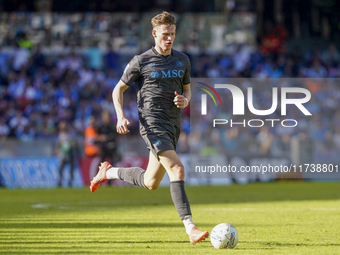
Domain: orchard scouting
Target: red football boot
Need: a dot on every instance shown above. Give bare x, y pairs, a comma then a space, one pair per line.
100, 177
197, 235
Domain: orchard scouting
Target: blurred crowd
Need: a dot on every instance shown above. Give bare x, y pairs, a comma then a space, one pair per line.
40, 88
126, 32
59, 30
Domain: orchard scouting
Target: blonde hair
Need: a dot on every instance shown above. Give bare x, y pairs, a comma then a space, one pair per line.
163, 18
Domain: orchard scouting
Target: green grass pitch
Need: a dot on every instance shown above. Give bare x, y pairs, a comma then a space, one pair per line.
271, 218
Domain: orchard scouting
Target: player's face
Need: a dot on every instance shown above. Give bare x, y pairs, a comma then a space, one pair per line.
164, 36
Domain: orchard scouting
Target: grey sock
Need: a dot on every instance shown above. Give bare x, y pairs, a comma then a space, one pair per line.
132, 175
180, 199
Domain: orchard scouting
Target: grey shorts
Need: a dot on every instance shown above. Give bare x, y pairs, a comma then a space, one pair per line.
160, 138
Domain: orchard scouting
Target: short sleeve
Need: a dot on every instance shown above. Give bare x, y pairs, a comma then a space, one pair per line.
186, 77
131, 72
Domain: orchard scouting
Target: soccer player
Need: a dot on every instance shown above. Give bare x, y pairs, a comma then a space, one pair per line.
163, 79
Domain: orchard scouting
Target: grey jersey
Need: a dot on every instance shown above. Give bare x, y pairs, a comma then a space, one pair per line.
157, 78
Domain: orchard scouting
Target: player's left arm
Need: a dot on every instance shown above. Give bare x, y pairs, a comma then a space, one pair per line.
187, 93
182, 101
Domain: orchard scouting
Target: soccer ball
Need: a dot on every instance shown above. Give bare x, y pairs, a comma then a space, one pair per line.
224, 236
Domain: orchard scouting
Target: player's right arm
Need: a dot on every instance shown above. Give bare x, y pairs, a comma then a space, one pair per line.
117, 98
131, 74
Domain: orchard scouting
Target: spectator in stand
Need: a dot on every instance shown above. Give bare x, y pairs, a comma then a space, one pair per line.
62, 63
17, 122
112, 79
274, 40
329, 146
213, 71
4, 66
79, 124
337, 138
74, 62
19, 58
318, 131
241, 58
331, 56
275, 71
230, 139
260, 72
264, 139
36, 60
4, 129
316, 70
112, 59
25, 42
16, 84
26, 133
86, 76
95, 56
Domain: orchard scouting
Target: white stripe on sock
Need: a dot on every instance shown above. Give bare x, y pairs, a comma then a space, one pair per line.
112, 173
188, 223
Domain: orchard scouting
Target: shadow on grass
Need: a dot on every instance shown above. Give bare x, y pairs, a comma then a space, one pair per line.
252, 192
283, 244
35, 252
113, 198
95, 242
52, 225
63, 252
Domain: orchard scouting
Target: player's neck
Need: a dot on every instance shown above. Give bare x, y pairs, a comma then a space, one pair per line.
162, 52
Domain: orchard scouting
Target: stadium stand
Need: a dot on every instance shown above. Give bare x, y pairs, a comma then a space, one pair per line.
60, 60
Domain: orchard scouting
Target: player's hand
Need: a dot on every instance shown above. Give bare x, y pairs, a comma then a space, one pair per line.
180, 101
122, 126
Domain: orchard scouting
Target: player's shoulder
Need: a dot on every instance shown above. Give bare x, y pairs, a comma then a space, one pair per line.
145, 56
179, 54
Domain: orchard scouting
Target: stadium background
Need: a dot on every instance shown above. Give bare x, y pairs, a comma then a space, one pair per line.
60, 61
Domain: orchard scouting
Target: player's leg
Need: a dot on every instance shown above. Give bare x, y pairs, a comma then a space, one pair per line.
154, 173
102, 171
175, 169
137, 176
149, 179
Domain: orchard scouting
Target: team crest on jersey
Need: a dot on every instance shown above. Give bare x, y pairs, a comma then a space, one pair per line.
155, 74
179, 63
157, 143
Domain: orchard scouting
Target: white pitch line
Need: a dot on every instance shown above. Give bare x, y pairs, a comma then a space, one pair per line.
41, 206
267, 209
82, 204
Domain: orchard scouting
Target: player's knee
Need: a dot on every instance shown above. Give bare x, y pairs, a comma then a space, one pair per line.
151, 184
178, 172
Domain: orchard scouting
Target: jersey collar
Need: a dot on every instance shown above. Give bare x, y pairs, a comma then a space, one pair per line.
156, 52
